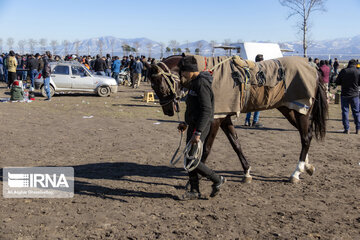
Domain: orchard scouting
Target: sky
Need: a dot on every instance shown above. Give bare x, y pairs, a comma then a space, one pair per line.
165, 20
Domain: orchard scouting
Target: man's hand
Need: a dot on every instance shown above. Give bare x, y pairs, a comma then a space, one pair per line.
182, 127
195, 139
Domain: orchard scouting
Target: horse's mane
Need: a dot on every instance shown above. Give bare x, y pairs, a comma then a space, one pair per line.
171, 57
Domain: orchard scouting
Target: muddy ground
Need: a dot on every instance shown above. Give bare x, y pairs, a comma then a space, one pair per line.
125, 188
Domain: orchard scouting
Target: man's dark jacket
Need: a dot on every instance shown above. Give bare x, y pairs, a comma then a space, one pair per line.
47, 69
200, 102
349, 79
33, 64
99, 65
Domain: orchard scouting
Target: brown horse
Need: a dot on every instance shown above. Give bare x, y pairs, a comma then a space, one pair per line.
165, 81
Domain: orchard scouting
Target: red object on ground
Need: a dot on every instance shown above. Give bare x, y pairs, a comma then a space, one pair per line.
16, 83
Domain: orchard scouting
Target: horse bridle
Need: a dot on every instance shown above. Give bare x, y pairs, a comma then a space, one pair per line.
172, 81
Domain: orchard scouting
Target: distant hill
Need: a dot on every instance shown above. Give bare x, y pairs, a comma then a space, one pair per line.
343, 48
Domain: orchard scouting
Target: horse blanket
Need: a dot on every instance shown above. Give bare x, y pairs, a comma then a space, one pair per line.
245, 86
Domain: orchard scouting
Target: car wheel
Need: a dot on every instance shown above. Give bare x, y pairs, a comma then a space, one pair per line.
103, 91
43, 92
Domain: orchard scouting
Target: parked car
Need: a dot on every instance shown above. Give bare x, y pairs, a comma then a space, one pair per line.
75, 77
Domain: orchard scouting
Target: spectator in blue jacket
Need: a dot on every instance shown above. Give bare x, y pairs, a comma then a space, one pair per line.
115, 67
137, 68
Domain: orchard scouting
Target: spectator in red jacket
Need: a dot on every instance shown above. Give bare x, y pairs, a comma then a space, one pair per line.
325, 72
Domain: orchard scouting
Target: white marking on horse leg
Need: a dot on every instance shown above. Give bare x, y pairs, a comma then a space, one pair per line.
247, 174
299, 169
247, 177
307, 159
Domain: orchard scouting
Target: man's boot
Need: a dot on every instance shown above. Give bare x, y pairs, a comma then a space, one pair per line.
216, 187
218, 181
194, 192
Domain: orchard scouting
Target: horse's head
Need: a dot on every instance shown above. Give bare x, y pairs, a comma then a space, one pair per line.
165, 81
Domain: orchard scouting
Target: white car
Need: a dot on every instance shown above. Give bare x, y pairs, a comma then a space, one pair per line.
75, 77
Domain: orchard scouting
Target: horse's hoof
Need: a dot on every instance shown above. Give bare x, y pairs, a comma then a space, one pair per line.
310, 169
294, 180
247, 179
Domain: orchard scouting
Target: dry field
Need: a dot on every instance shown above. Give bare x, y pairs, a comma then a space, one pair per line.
125, 188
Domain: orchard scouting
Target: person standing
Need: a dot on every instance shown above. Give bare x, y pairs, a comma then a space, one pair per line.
336, 66
99, 66
137, 69
255, 122
116, 69
33, 66
349, 79
325, 72
108, 65
311, 62
46, 74
11, 64
198, 118
2, 74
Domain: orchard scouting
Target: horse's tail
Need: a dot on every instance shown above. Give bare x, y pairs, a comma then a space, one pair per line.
319, 112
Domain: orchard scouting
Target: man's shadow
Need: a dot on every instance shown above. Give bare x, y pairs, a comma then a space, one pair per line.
121, 171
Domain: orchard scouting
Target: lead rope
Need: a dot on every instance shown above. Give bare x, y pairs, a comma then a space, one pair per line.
173, 161
194, 159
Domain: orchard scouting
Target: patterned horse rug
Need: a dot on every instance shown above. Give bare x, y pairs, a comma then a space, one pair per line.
244, 86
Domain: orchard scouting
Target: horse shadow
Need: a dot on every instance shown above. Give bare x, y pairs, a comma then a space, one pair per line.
126, 171
162, 120
266, 129
138, 105
255, 177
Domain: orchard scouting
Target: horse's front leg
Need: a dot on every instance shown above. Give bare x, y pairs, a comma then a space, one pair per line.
229, 130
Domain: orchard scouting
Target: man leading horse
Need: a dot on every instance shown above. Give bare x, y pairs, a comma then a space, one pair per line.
198, 117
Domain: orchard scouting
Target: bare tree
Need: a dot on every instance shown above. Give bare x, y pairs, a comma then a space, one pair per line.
77, 45
100, 45
21, 44
43, 43
10, 42
168, 50
162, 46
65, 43
112, 44
54, 44
136, 47
199, 46
173, 44
213, 44
126, 48
32, 44
149, 46
303, 9
1, 45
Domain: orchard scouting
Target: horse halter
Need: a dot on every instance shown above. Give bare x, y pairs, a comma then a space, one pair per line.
172, 80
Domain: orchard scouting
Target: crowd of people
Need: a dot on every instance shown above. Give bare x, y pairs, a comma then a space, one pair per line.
349, 80
329, 70
21, 67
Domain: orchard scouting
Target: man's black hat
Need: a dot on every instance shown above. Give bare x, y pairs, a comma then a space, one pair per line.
352, 62
188, 64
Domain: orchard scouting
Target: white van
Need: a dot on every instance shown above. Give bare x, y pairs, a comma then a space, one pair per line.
249, 50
